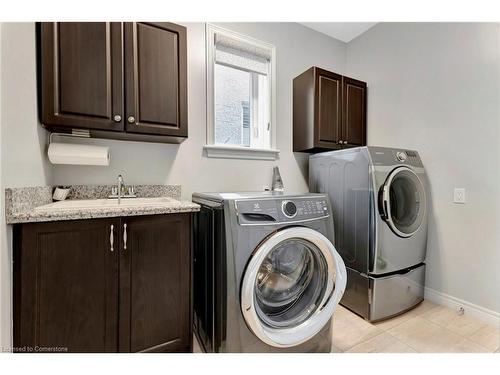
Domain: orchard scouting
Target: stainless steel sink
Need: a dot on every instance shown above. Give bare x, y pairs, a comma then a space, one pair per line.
93, 204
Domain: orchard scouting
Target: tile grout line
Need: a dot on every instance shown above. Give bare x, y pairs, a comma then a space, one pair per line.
402, 342
394, 326
364, 341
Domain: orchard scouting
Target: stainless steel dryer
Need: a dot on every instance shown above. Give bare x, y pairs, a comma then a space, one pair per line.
267, 277
379, 202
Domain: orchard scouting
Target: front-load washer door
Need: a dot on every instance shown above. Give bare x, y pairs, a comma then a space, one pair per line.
403, 202
291, 286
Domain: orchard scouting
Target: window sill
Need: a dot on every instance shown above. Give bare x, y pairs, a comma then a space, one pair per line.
239, 152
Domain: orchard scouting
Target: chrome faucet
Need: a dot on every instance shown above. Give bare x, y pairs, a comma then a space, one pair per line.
120, 187
121, 191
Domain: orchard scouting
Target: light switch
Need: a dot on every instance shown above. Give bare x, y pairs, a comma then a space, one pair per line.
459, 195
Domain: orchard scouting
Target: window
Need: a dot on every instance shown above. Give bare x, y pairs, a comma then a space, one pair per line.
240, 96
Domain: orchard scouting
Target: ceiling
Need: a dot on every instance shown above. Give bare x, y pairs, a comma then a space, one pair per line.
344, 31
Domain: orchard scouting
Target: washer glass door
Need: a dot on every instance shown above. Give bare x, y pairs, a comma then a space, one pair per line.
403, 201
290, 283
291, 286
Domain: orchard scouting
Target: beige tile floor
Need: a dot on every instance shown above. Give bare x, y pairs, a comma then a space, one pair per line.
428, 328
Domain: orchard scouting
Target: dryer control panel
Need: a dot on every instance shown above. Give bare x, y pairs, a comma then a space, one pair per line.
282, 210
391, 156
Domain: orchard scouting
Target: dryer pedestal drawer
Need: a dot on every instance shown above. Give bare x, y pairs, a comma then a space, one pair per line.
395, 294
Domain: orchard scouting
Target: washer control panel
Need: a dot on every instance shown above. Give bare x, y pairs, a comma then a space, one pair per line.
312, 208
278, 210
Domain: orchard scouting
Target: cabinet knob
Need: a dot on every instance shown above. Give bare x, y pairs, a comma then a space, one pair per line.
131, 119
117, 118
345, 142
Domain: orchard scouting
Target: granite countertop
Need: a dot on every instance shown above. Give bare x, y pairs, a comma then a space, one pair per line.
22, 205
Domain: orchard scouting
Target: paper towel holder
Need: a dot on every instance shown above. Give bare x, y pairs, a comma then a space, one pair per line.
75, 133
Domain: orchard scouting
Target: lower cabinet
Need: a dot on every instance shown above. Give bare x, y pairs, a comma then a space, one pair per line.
155, 298
104, 285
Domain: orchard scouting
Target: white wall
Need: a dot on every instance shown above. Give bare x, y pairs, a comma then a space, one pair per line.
435, 88
23, 161
297, 49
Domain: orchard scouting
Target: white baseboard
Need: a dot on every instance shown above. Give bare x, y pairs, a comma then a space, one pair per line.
479, 312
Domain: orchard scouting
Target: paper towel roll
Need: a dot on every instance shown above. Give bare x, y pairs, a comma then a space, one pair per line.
66, 153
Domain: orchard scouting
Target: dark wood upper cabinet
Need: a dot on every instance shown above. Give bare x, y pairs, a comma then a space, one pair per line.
116, 80
104, 285
66, 286
329, 111
156, 78
156, 284
82, 75
354, 112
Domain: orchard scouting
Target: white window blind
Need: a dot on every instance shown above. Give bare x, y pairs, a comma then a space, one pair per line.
242, 55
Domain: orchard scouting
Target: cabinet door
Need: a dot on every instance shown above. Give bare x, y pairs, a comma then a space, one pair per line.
354, 112
81, 75
328, 109
155, 284
66, 286
156, 79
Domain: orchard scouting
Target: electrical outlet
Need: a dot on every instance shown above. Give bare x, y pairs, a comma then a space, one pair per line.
459, 195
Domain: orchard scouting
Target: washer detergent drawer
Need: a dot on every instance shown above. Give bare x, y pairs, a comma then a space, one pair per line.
393, 295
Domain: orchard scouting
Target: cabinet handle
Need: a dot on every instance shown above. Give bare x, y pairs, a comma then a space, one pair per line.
345, 142
117, 118
340, 142
112, 237
131, 119
124, 236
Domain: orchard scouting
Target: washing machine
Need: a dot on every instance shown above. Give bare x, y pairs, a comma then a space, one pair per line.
267, 277
379, 202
